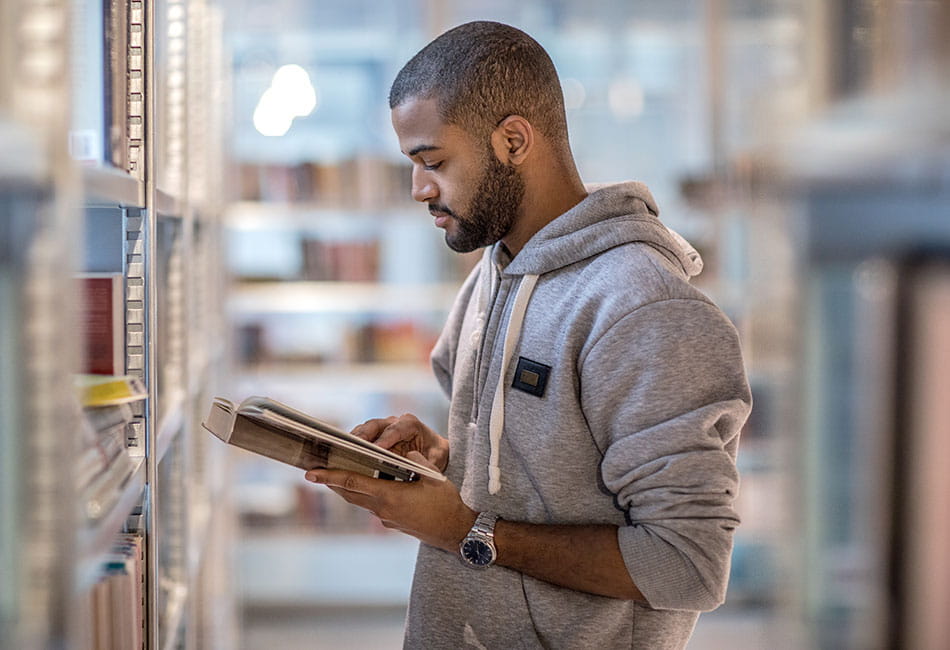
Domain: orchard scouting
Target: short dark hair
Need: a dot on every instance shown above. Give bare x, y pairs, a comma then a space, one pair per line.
480, 73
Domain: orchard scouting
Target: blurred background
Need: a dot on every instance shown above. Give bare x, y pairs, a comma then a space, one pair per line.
255, 206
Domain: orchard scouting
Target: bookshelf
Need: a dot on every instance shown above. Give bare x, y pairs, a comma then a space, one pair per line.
871, 237
876, 239
111, 164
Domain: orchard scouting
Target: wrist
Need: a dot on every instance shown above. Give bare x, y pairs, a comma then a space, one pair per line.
459, 528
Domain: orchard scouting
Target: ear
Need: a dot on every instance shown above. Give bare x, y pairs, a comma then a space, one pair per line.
513, 139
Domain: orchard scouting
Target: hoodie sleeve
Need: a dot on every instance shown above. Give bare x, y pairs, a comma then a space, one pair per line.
664, 389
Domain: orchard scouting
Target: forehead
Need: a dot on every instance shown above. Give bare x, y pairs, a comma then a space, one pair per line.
417, 124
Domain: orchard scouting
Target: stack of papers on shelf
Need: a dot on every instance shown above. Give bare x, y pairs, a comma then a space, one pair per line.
104, 463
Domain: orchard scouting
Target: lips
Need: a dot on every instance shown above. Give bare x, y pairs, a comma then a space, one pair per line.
441, 218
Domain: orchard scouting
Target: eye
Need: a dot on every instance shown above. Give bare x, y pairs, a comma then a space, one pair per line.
432, 166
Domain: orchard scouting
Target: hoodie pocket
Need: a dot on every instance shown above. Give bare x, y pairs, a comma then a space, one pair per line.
565, 618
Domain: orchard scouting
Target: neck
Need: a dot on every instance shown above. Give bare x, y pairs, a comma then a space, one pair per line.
550, 191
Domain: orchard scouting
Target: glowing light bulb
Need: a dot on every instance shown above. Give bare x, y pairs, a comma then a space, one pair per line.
270, 116
290, 95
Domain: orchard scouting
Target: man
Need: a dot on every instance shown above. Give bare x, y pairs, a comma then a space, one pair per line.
596, 397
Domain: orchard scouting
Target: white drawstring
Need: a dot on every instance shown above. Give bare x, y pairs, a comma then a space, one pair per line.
512, 334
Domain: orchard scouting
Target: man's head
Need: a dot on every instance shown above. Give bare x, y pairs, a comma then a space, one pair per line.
469, 109
481, 72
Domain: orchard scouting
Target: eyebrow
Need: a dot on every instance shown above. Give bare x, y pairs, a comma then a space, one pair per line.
422, 147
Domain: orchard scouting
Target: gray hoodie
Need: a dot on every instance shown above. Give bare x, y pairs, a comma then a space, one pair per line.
622, 397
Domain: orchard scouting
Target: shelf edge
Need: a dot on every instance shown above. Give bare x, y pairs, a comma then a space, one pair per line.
112, 185
169, 426
174, 614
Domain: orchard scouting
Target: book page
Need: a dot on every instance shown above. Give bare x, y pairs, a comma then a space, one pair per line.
282, 415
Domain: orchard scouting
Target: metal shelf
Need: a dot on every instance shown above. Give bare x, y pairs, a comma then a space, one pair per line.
254, 215
277, 569
199, 524
357, 378
170, 425
113, 186
174, 614
168, 205
305, 297
61, 534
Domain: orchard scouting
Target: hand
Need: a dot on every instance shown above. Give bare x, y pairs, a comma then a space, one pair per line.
429, 510
404, 434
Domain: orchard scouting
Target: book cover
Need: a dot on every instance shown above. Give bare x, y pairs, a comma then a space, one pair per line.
268, 428
102, 319
102, 390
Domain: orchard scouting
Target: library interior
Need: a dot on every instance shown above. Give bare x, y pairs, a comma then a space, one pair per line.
206, 198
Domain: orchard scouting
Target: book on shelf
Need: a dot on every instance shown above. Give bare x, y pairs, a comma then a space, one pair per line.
104, 463
108, 417
116, 84
87, 65
102, 318
267, 427
100, 450
109, 390
114, 605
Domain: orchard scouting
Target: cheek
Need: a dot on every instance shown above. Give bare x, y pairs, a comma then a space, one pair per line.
460, 190
449, 195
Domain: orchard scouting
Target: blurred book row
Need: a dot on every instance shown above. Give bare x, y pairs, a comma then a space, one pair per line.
362, 182
315, 341
347, 261
115, 604
111, 439
111, 425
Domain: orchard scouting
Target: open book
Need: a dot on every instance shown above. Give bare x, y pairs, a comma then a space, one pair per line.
269, 428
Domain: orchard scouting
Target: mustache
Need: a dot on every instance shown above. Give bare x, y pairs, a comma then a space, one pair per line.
436, 208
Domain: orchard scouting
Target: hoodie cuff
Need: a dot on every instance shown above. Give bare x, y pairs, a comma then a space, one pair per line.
665, 578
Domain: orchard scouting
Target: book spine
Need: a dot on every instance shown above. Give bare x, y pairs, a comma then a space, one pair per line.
102, 318
117, 612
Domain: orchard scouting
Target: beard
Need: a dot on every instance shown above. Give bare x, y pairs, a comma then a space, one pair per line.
492, 210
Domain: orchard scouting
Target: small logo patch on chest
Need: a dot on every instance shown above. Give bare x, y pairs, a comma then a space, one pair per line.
531, 377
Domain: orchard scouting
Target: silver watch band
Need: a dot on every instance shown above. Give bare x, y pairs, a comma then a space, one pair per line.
485, 524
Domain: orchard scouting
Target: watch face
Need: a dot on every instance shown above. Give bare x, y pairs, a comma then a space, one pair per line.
477, 552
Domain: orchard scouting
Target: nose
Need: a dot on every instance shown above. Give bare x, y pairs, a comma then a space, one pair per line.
424, 188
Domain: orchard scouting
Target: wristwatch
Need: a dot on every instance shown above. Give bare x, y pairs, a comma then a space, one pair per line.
478, 548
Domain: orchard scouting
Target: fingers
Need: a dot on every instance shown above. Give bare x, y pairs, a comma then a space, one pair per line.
371, 429
346, 481
356, 499
401, 429
390, 432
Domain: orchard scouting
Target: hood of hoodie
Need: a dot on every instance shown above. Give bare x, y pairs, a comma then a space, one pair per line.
609, 216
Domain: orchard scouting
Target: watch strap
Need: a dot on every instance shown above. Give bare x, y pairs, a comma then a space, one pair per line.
485, 524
